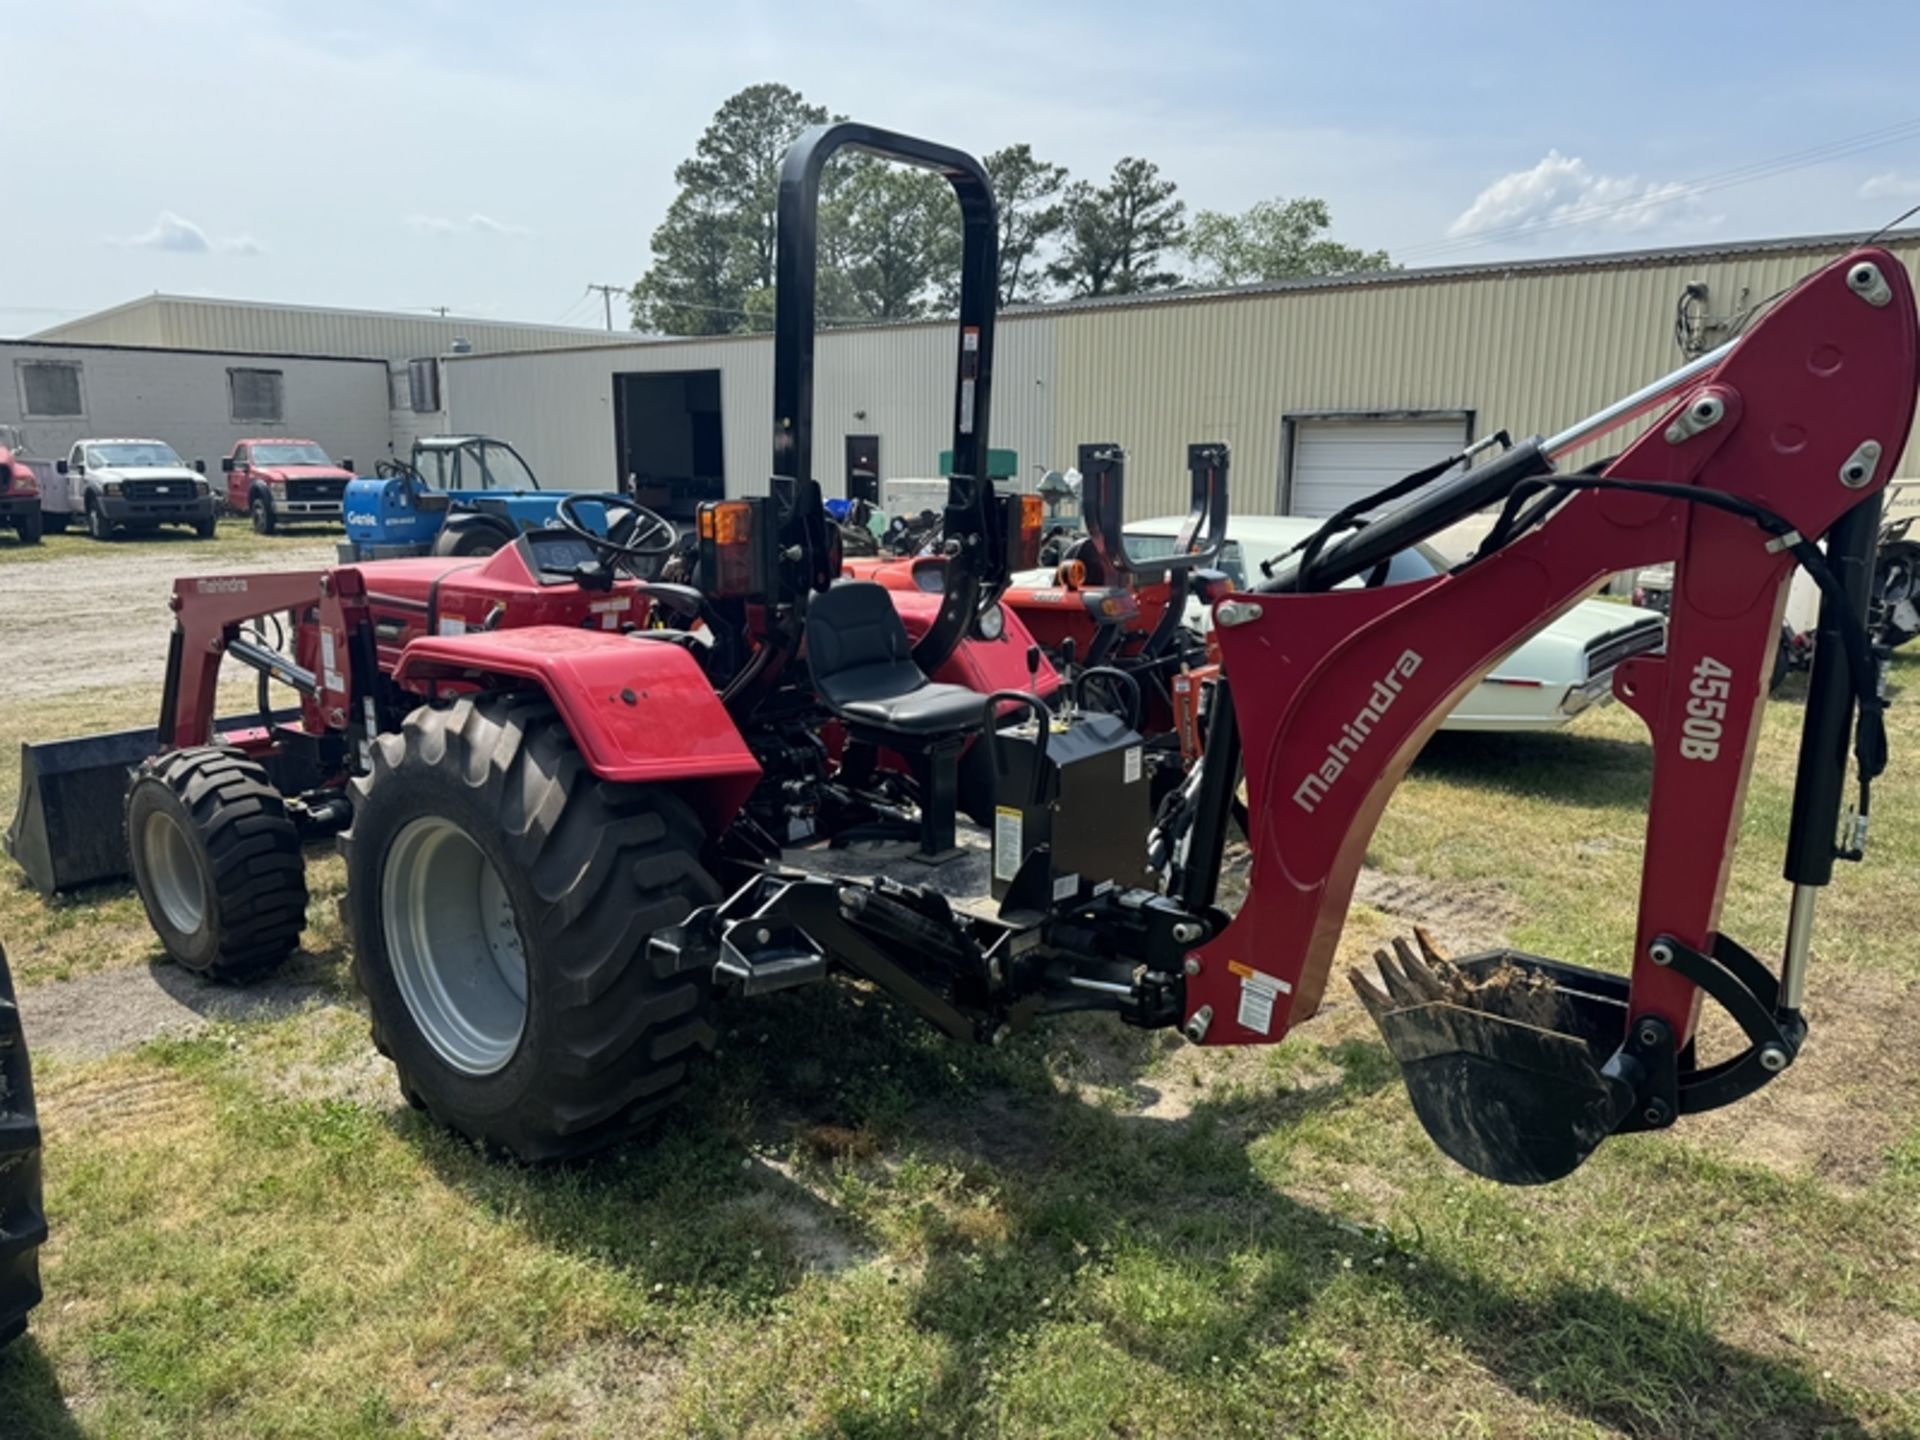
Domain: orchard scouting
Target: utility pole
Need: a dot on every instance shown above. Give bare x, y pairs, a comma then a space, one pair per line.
607, 292
440, 310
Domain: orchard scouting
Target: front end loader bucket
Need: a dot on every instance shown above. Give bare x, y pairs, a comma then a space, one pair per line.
67, 828
1514, 1064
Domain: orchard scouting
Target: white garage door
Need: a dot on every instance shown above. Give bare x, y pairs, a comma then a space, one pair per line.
1335, 462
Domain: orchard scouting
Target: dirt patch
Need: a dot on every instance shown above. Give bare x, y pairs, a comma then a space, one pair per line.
110, 623
1464, 916
1848, 1097
135, 1102
806, 1215
96, 1015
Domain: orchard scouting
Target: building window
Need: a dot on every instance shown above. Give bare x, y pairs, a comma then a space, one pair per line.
50, 389
257, 394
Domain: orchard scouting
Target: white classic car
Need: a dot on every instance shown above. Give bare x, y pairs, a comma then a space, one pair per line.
1560, 672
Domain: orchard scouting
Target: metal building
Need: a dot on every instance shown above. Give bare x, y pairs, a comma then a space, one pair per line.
186, 322
1324, 387
409, 344
198, 401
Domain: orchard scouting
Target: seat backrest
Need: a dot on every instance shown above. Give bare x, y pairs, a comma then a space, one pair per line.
857, 646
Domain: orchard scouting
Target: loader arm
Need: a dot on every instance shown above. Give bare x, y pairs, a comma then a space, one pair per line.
1336, 692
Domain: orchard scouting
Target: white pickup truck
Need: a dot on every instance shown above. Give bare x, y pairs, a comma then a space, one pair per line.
135, 484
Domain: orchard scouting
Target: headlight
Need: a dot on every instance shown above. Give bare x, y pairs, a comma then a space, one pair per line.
111, 487
279, 489
992, 623
200, 487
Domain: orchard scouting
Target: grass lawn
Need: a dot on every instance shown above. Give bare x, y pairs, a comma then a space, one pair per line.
855, 1228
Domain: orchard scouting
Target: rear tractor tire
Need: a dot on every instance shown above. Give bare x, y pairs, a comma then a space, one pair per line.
23, 1221
501, 898
217, 862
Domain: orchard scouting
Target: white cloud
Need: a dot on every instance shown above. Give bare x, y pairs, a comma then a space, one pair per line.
173, 233
1563, 192
1891, 185
177, 235
474, 224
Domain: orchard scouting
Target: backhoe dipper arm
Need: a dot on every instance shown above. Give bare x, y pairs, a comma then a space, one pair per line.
1336, 692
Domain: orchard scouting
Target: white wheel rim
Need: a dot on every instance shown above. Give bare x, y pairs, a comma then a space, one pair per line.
173, 872
454, 945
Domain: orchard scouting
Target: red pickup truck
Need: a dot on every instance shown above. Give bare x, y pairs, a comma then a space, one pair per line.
280, 481
20, 488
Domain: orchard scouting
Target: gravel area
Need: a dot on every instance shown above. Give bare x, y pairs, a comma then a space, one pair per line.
99, 616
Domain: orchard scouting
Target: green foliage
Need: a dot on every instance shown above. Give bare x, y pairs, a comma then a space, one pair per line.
716, 243
889, 236
1117, 235
1278, 239
1027, 190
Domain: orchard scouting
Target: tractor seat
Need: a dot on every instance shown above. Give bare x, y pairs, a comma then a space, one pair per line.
863, 667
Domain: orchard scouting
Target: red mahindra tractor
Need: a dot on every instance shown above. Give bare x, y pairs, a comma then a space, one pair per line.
581, 808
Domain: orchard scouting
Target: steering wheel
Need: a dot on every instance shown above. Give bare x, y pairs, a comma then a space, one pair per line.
637, 537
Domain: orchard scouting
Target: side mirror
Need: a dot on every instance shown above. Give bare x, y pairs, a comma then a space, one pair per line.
226, 465
200, 467
60, 467
348, 466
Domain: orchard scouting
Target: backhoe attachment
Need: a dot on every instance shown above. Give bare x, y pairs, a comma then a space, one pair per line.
1520, 1066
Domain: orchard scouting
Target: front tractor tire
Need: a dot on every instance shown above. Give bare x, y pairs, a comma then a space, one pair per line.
500, 899
217, 861
23, 1220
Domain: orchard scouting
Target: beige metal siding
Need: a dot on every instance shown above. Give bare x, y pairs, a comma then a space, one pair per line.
1525, 351
557, 407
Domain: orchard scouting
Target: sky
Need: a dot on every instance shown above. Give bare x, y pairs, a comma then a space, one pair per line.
498, 158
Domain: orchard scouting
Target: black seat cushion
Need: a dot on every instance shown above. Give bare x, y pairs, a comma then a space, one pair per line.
863, 666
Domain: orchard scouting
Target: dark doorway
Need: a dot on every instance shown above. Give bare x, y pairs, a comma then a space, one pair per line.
667, 439
863, 468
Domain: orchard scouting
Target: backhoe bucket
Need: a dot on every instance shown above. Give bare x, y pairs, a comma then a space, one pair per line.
1510, 1060
67, 827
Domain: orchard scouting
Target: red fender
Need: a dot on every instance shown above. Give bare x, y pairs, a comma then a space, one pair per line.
641, 711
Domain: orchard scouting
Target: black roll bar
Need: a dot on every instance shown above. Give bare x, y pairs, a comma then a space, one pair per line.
976, 546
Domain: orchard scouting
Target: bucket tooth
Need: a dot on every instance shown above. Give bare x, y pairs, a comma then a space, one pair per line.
1506, 1066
